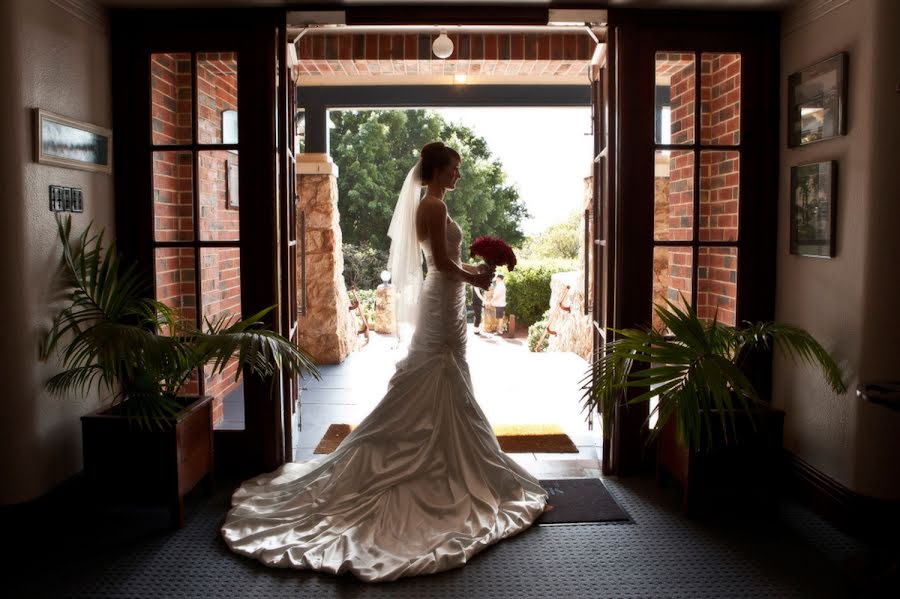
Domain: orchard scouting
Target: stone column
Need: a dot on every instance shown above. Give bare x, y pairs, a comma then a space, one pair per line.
327, 330
384, 309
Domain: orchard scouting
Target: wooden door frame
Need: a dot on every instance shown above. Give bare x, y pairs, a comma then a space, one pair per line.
251, 33
634, 36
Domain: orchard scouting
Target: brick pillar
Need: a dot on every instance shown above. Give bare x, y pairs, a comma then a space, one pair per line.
327, 330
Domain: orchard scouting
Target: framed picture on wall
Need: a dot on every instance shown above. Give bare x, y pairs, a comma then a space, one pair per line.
813, 209
62, 141
817, 102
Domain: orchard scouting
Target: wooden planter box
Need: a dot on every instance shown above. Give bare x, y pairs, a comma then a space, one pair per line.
152, 465
745, 472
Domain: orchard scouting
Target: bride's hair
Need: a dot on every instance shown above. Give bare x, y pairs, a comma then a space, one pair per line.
436, 156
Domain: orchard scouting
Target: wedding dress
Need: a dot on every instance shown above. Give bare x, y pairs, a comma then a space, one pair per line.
419, 486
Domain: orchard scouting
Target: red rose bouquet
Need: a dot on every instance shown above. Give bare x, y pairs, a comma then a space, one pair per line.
494, 251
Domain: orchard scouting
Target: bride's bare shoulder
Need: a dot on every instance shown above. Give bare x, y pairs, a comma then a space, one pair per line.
431, 208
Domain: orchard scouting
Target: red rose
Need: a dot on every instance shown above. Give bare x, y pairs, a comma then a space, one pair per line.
494, 251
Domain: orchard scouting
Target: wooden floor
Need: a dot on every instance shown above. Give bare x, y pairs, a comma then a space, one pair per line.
512, 386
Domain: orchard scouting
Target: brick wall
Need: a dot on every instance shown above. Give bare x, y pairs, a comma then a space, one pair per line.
516, 54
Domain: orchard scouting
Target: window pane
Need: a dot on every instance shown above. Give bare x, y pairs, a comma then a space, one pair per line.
176, 287
719, 191
674, 195
170, 89
220, 286
672, 277
675, 95
217, 98
717, 284
173, 210
720, 79
219, 199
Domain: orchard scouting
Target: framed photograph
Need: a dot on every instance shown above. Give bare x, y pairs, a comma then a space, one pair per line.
817, 102
62, 141
232, 199
813, 209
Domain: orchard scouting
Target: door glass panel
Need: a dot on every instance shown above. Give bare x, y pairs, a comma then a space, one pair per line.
717, 284
672, 277
220, 287
176, 283
720, 105
674, 195
219, 198
173, 210
170, 92
217, 83
675, 95
719, 192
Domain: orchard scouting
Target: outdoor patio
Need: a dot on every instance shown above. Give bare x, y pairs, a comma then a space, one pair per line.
512, 386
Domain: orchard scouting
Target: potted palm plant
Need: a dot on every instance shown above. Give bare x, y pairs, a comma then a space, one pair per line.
711, 425
152, 440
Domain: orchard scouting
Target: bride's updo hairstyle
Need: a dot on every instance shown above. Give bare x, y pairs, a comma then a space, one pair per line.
436, 156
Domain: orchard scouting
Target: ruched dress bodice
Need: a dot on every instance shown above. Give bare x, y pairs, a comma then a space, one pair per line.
419, 486
441, 323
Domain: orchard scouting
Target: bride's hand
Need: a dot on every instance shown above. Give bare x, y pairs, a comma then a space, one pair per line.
483, 279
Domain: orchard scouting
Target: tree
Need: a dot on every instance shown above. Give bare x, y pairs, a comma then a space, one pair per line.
561, 240
375, 149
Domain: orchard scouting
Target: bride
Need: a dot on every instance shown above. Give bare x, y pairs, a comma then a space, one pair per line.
421, 484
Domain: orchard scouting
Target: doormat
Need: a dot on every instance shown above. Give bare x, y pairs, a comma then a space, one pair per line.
580, 500
513, 438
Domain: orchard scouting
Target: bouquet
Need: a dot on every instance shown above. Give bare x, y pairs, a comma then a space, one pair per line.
494, 251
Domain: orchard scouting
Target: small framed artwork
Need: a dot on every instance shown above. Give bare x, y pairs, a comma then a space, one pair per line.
62, 141
232, 199
813, 209
817, 102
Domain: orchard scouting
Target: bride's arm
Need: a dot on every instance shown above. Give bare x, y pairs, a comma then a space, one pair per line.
434, 214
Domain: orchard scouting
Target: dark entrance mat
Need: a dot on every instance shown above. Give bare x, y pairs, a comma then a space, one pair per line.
579, 500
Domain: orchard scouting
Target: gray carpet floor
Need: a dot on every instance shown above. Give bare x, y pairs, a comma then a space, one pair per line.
76, 550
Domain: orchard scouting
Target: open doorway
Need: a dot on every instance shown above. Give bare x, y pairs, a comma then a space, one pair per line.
549, 69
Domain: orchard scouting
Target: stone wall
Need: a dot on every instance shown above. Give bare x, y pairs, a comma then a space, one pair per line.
327, 329
572, 327
384, 310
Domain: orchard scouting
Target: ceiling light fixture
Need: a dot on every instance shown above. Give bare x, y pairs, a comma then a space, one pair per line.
442, 46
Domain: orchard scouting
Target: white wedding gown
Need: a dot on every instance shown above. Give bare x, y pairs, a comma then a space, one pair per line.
419, 486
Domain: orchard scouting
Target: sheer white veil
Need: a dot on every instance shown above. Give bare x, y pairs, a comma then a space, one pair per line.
405, 260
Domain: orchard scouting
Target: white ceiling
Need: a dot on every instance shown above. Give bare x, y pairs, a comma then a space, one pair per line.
294, 4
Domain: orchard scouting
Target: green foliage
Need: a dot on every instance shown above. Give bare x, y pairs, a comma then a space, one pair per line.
363, 266
561, 240
528, 287
110, 332
367, 301
536, 330
696, 371
374, 150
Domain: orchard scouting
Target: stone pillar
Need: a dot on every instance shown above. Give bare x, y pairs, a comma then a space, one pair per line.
327, 330
384, 309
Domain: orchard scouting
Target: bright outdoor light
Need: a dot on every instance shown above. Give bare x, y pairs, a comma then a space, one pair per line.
385, 276
442, 46
459, 78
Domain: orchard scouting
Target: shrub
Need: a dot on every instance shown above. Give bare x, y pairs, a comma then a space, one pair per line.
363, 266
528, 287
536, 330
367, 301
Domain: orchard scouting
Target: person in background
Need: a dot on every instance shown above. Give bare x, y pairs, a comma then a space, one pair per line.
477, 305
498, 301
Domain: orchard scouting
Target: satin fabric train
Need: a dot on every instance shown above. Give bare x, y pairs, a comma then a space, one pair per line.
419, 486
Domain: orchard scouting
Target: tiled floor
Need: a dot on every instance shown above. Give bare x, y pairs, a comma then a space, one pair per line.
512, 386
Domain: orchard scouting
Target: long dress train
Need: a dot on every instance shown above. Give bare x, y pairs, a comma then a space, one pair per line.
419, 486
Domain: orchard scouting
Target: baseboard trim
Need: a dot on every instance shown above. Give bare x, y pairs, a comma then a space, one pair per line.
852, 512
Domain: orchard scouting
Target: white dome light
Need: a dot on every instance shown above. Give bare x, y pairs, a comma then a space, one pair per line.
442, 46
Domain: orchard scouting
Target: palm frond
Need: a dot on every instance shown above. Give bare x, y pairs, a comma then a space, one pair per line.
695, 372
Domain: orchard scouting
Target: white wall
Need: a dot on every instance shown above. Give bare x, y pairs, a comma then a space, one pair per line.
55, 60
850, 302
